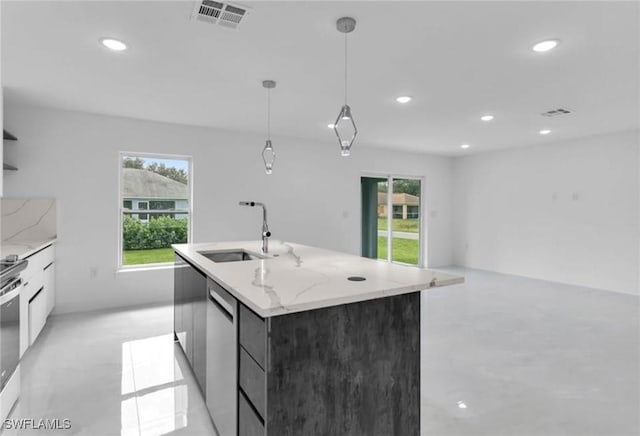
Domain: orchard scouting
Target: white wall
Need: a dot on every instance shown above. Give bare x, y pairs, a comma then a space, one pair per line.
313, 195
565, 212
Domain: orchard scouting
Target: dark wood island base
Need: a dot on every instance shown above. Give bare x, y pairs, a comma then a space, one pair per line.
352, 369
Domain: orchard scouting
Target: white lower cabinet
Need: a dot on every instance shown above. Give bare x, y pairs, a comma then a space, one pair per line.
29, 289
50, 286
37, 314
37, 296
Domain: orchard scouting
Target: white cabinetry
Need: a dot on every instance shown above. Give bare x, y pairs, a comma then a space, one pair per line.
50, 285
37, 297
37, 314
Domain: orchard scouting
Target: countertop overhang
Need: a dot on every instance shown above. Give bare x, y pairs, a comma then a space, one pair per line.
295, 278
24, 248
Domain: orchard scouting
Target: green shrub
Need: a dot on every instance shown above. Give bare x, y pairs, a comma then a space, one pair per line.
159, 232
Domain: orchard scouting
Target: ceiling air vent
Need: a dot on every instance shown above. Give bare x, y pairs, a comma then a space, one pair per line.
224, 14
556, 112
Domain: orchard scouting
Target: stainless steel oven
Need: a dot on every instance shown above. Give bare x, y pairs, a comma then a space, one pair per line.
9, 329
10, 286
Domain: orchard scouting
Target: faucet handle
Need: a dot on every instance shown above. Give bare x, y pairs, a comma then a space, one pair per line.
267, 234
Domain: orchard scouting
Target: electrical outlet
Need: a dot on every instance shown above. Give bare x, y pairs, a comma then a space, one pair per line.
93, 272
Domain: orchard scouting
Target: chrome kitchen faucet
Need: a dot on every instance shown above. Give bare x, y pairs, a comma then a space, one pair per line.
265, 227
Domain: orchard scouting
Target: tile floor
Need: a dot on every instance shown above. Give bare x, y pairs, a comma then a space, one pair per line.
502, 355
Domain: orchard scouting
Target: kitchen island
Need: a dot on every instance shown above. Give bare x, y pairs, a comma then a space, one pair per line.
302, 340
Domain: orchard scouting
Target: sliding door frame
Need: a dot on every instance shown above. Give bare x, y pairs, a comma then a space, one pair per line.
422, 240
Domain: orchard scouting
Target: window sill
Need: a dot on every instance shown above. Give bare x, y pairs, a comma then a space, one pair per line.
149, 267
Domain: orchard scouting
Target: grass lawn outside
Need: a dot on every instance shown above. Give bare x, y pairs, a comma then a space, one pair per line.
144, 257
411, 225
404, 250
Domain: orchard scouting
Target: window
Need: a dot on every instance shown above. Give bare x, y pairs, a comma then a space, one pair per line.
162, 204
413, 211
391, 224
161, 187
397, 211
142, 205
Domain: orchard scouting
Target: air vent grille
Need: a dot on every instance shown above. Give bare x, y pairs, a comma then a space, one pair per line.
210, 9
224, 14
556, 112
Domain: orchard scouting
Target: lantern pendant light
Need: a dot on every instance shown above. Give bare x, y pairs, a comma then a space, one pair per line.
344, 127
268, 154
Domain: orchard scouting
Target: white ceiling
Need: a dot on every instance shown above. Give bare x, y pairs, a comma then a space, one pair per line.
458, 60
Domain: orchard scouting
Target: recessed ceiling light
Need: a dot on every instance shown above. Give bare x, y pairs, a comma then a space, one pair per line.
113, 44
544, 131
465, 146
543, 46
403, 99
331, 126
487, 117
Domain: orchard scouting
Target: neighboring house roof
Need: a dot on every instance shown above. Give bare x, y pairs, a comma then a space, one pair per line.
399, 199
147, 184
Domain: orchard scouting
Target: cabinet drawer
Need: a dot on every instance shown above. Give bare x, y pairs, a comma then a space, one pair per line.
38, 261
253, 382
253, 335
47, 256
248, 422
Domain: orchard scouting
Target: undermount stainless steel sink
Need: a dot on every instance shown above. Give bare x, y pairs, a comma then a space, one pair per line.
229, 255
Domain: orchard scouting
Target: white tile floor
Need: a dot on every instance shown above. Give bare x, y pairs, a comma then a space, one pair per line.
502, 355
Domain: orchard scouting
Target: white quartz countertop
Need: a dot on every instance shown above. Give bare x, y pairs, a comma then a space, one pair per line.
24, 248
295, 278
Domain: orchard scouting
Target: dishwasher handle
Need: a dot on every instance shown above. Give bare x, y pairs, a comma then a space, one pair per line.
222, 299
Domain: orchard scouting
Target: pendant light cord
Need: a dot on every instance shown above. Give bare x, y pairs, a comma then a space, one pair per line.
268, 113
345, 68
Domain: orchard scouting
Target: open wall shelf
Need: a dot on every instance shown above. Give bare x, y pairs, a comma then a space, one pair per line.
8, 136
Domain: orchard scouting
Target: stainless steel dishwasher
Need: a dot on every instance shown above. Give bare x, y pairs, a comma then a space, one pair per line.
222, 359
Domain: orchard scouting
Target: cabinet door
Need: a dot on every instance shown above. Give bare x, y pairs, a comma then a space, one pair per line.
249, 422
37, 314
29, 288
190, 295
197, 286
178, 300
50, 286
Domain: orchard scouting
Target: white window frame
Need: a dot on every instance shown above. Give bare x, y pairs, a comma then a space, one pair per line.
120, 208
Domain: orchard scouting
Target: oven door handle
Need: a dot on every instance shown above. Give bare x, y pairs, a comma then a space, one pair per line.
8, 296
16, 281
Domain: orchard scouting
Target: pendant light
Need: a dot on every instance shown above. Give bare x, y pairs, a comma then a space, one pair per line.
344, 126
268, 154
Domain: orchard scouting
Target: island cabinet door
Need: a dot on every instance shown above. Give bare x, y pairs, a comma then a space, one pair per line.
250, 423
190, 298
178, 300
196, 284
352, 369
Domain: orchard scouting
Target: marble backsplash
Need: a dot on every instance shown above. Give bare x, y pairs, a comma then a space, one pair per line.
28, 219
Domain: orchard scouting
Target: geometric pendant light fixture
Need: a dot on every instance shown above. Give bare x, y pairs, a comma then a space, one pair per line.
268, 154
344, 127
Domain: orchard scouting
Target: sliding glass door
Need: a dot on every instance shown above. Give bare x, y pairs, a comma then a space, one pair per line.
391, 219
